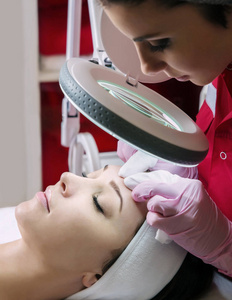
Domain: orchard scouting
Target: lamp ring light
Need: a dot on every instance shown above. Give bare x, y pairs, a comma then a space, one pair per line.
133, 113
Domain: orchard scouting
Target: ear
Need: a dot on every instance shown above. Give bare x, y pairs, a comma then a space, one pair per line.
89, 279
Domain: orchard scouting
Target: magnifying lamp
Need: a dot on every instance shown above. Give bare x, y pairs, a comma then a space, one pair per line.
128, 110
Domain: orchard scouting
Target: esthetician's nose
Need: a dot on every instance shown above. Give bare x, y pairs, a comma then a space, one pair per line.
150, 62
70, 182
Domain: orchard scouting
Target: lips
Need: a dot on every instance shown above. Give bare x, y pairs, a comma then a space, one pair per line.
47, 205
182, 78
48, 195
44, 199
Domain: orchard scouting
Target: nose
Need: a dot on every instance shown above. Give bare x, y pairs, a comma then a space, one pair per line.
69, 183
150, 62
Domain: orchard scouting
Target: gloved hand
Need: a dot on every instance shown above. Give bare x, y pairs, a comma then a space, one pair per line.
182, 208
137, 161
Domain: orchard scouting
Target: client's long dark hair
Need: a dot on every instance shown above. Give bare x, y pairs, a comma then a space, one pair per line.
193, 279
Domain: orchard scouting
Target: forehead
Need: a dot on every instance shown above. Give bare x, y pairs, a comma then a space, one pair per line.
127, 17
149, 18
111, 171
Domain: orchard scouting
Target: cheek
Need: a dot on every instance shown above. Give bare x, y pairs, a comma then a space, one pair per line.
133, 215
193, 57
78, 223
67, 227
182, 60
61, 239
201, 69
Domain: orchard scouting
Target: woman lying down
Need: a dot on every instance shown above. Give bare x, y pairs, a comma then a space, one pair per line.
85, 238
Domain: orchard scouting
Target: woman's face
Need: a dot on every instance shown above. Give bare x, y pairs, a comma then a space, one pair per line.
178, 41
79, 222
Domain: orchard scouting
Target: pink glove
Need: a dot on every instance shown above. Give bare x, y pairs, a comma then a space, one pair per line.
182, 208
136, 161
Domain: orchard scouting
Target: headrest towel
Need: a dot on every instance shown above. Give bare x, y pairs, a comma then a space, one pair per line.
144, 268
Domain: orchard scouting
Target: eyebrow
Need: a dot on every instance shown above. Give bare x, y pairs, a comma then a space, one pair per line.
116, 189
106, 166
145, 37
118, 192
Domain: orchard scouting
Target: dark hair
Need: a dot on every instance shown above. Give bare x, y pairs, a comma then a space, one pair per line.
215, 13
193, 279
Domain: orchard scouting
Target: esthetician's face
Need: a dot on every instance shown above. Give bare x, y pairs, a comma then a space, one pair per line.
178, 41
77, 223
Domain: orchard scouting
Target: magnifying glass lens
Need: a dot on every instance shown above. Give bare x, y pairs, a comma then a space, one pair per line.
140, 104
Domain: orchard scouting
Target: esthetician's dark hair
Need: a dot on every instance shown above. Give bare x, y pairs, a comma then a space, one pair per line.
215, 13
192, 280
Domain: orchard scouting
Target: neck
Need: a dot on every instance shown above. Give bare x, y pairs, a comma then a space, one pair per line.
23, 276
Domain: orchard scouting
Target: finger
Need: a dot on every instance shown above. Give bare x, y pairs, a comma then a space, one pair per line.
152, 218
170, 225
163, 206
132, 181
139, 162
160, 176
143, 191
186, 172
146, 190
158, 221
125, 151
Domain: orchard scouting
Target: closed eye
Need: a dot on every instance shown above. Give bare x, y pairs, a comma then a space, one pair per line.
160, 45
97, 205
95, 200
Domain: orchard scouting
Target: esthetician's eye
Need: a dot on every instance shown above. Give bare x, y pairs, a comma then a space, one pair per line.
160, 45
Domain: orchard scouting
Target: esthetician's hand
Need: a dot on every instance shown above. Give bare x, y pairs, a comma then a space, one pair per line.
182, 208
137, 161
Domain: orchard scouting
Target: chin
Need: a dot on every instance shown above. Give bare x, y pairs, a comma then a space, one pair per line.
27, 220
23, 211
20, 212
206, 78
201, 82
19, 209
